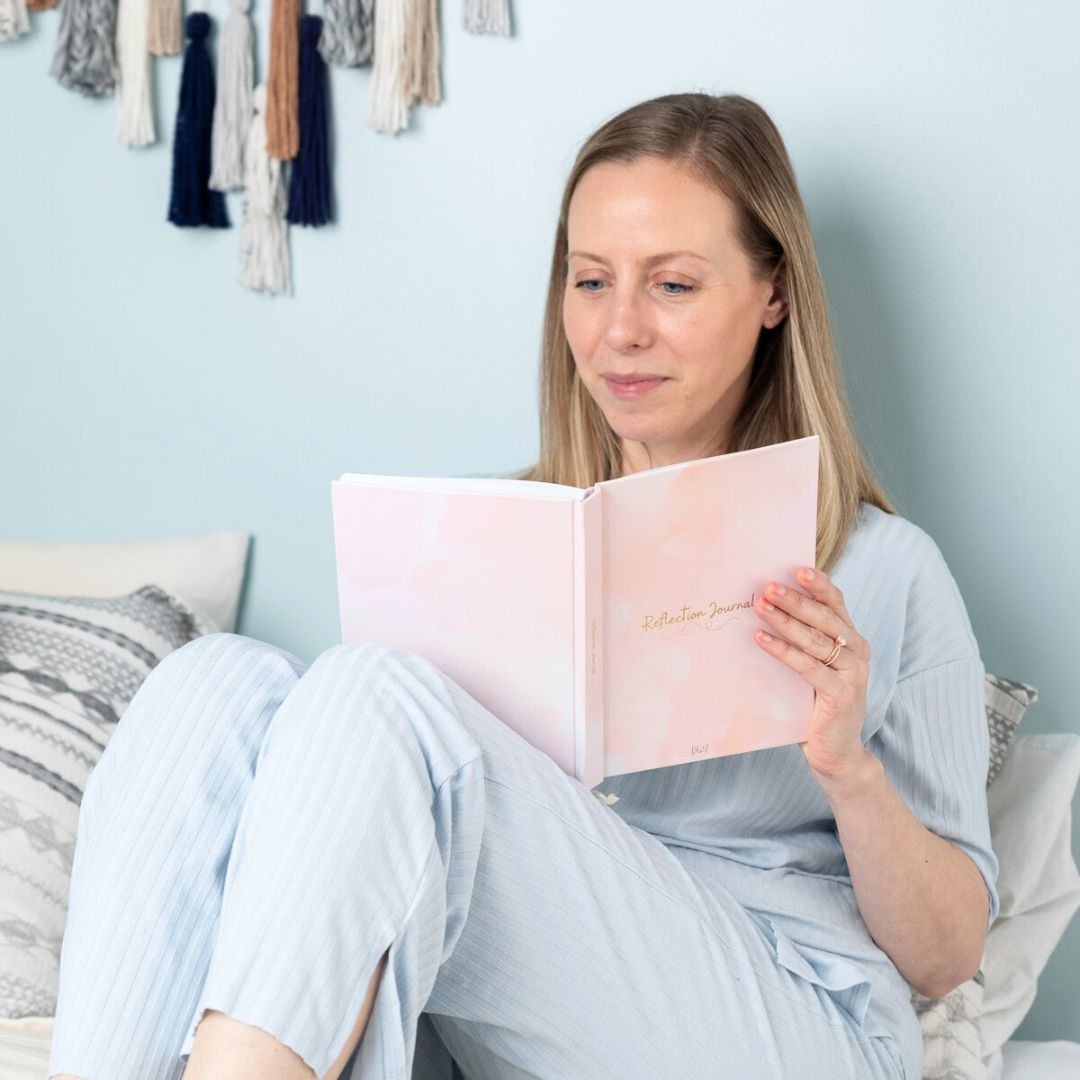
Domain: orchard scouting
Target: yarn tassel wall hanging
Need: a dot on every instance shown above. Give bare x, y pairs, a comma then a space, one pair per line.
135, 107
488, 17
264, 249
85, 55
389, 110
309, 178
348, 32
192, 202
232, 108
282, 91
14, 19
166, 36
420, 75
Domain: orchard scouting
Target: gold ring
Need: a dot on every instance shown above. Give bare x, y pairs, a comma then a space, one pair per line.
840, 643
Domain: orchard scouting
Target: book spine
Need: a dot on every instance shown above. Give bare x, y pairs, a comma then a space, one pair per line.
588, 639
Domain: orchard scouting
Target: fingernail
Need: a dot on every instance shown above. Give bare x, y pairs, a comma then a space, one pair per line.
808, 575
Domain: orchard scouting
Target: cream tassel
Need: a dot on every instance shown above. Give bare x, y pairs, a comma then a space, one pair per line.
135, 109
232, 107
487, 17
389, 109
14, 19
264, 248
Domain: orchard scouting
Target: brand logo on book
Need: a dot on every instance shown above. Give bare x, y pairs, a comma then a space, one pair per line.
687, 617
695, 748
594, 647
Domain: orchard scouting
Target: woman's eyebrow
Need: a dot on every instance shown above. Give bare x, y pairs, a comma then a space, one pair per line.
648, 262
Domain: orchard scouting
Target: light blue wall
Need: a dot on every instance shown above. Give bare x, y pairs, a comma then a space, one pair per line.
144, 392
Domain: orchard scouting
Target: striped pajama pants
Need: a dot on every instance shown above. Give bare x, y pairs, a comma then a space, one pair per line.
258, 832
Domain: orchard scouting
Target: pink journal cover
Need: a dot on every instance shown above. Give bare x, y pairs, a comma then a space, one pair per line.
482, 585
687, 548
613, 628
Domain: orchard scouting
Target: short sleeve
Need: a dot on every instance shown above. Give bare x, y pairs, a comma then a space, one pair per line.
935, 746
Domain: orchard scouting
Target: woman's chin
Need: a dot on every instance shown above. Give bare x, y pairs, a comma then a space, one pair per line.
638, 429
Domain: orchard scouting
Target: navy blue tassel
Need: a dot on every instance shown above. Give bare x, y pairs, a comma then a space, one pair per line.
309, 180
192, 201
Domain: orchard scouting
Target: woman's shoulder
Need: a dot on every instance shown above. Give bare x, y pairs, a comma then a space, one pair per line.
890, 543
899, 557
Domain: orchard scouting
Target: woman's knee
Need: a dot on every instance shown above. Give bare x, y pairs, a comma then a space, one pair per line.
204, 678
220, 654
384, 669
405, 687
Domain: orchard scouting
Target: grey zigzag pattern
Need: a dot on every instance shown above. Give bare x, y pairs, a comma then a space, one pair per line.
69, 666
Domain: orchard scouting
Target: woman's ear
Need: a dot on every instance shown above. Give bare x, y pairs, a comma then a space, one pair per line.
776, 307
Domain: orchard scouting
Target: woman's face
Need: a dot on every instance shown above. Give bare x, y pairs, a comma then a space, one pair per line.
638, 303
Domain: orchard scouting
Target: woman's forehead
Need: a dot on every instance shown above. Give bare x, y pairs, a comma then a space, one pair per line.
648, 211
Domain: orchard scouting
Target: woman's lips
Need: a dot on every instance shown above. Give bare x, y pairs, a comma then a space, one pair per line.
627, 390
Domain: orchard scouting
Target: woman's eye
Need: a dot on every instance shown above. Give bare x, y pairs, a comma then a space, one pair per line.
683, 289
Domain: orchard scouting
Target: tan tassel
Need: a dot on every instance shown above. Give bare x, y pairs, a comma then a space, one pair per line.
420, 77
166, 27
283, 81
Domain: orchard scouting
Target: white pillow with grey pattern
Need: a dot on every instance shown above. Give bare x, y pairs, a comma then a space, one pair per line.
951, 1024
69, 666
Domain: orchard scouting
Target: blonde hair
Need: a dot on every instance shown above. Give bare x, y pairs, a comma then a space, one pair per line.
795, 386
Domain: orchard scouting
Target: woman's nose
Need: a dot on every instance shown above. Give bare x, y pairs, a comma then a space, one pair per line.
628, 321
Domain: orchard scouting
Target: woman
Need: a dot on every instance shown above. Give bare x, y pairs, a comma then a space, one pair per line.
354, 869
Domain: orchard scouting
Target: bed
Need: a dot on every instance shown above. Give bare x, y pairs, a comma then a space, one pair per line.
164, 591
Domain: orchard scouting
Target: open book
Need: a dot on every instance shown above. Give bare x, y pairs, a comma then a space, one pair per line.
610, 626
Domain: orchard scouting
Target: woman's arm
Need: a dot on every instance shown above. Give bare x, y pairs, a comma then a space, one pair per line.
921, 897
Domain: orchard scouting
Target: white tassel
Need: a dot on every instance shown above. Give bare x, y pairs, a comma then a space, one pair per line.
135, 108
264, 249
487, 17
232, 105
14, 19
389, 109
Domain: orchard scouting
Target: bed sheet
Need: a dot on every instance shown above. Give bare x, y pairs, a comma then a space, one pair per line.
24, 1054
1019, 1059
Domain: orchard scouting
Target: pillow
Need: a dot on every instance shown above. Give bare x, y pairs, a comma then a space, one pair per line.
1038, 881
951, 1025
69, 666
1006, 701
952, 1037
205, 570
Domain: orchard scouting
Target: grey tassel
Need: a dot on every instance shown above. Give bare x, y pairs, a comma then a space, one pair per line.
348, 33
488, 17
232, 105
85, 55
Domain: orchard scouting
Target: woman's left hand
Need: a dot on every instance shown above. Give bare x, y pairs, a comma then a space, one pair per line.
809, 624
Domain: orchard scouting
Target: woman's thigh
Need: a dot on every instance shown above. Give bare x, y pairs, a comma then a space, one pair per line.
588, 950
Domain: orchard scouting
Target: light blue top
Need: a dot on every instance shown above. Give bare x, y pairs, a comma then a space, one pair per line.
758, 824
